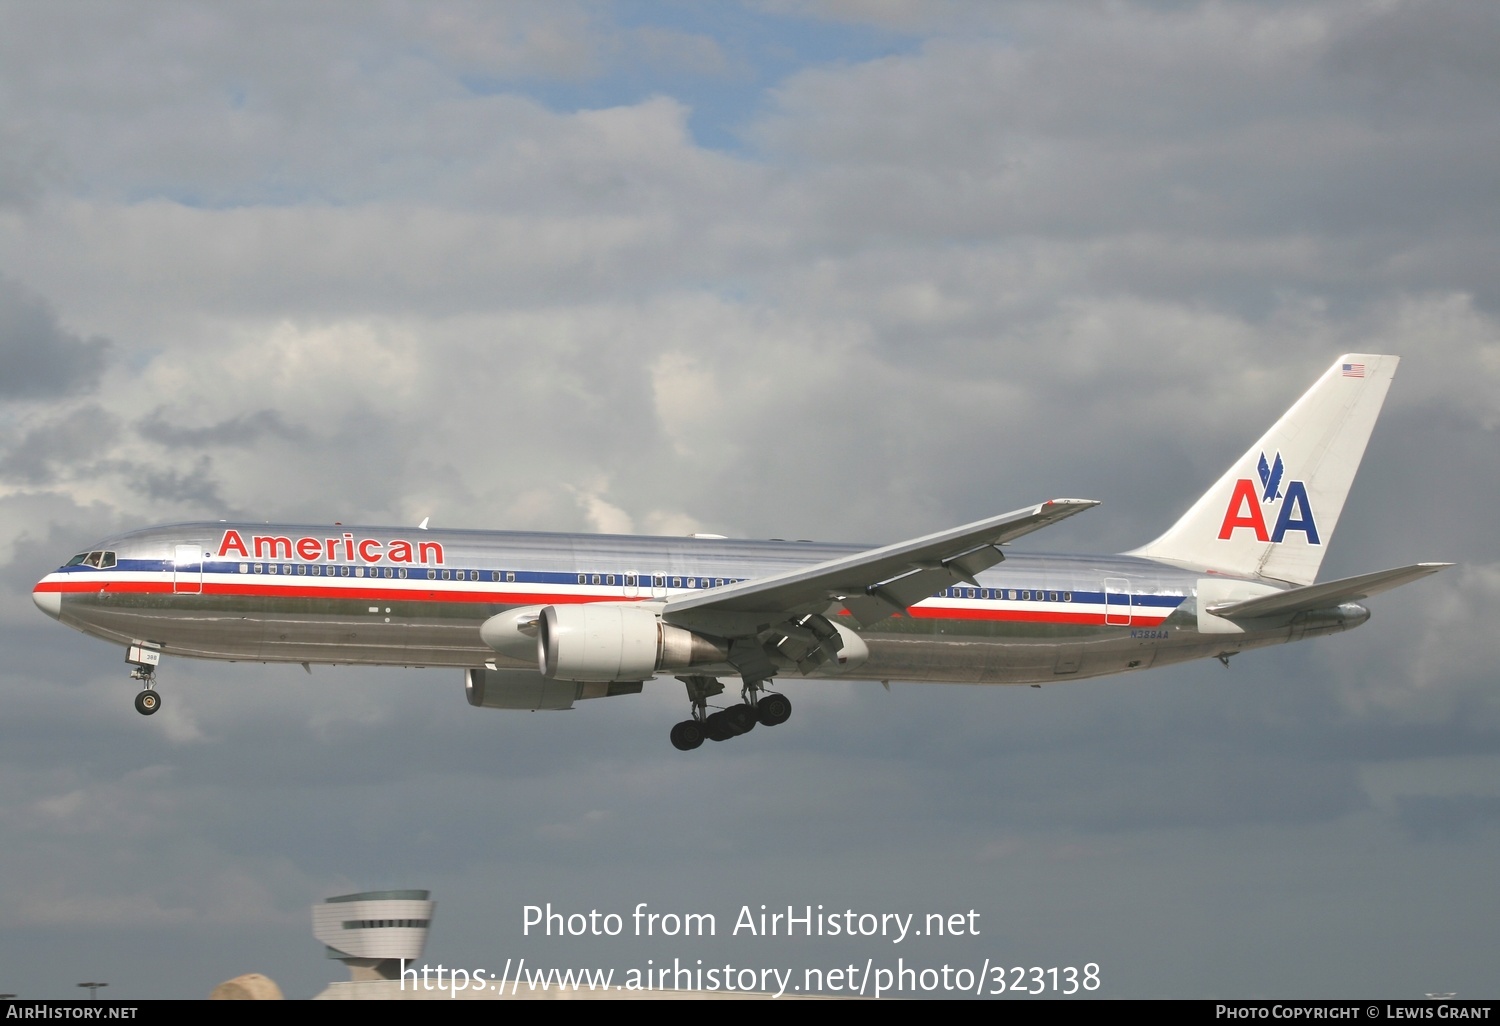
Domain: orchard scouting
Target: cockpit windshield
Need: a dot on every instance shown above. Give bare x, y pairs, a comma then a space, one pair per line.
101, 558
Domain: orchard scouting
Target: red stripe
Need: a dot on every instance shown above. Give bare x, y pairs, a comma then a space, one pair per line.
532, 599
306, 591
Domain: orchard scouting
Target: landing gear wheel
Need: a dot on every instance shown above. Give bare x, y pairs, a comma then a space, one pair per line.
147, 702
740, 717
687, 735
773, 709
718, 728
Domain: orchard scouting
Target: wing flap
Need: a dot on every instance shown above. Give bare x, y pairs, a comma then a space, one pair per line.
1323, 596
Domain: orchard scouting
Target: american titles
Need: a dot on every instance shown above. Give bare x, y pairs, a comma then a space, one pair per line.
345, 547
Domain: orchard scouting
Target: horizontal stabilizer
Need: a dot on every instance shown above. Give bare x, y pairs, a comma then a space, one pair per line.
1327, 595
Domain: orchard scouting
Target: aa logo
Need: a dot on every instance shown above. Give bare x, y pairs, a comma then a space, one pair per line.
1249, 506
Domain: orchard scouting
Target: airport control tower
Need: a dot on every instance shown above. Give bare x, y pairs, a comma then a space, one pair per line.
373, 931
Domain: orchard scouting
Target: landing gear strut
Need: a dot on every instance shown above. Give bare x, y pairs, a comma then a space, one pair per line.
768, 710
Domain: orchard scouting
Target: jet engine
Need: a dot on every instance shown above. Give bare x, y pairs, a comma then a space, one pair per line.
605, 641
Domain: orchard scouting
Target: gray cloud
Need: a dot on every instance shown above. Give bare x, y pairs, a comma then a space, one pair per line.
39, 357
26, 167
1449, 818
71, 444
194, 486
242, 430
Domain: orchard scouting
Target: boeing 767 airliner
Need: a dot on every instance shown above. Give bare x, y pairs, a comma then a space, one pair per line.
539, 621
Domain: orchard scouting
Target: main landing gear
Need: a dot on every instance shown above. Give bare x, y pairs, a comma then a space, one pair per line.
149, 700
768, 710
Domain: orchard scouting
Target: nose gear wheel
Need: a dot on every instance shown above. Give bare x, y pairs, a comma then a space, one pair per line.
148, 700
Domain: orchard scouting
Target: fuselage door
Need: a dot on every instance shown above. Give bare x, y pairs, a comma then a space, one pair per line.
1117, 601
187, 570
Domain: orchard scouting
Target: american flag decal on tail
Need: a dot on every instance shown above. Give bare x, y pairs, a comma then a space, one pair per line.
1354, 370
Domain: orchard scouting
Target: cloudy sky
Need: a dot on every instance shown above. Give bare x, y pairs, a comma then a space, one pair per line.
840, 270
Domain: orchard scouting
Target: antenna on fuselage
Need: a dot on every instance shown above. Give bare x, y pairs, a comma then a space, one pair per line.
423, 525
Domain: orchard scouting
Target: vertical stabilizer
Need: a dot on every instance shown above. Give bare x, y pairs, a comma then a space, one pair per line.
1273, 512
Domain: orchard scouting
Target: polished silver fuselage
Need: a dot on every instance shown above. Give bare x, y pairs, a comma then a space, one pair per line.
398, 597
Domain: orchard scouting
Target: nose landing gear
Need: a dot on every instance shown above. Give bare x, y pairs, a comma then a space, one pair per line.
143, 659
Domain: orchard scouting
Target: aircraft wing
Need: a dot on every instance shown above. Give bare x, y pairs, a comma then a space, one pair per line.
873, 584
1322, 596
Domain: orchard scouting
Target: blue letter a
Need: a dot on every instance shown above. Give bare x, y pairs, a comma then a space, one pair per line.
1296, 501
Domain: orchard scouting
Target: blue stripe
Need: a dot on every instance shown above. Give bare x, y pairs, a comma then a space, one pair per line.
569, 579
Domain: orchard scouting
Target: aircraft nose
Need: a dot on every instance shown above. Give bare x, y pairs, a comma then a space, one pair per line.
49, 602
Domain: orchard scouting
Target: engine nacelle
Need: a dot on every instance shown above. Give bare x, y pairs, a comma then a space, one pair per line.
523, 689
608, 641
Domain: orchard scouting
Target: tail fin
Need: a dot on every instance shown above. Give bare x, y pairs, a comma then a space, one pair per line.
1273, 511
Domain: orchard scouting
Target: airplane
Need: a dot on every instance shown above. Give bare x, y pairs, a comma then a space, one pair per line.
542, 620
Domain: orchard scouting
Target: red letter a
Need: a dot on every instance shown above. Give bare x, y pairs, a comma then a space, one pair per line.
1243, 497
